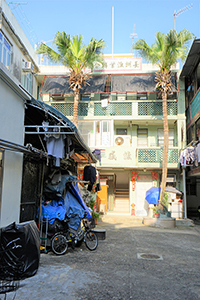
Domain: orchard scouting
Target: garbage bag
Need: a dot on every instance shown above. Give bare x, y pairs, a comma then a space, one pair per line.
19, 250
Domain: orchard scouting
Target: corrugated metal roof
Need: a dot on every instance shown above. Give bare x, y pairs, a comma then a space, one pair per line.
79, 145
192, 59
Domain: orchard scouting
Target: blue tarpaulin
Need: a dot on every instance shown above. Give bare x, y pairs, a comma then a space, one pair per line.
76, 192
58, 189
52, 211
153, 195
74, 211
73, 205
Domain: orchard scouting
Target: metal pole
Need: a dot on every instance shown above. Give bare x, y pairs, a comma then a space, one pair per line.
184, 194
112, 30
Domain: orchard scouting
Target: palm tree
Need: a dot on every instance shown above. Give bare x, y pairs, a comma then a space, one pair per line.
72, 53
164, 53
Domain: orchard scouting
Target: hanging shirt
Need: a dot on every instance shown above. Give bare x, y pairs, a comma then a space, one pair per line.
188, 156
198, 152
56, 146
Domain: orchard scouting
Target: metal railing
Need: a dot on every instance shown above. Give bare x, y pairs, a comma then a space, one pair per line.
136, 108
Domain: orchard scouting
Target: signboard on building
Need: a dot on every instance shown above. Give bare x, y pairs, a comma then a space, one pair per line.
119, 64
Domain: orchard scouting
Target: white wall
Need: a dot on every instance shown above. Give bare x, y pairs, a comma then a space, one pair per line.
12, 129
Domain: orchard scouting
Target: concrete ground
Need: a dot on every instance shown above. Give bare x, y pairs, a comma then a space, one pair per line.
133, 262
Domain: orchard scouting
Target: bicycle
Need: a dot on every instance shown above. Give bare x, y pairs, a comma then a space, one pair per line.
61, 240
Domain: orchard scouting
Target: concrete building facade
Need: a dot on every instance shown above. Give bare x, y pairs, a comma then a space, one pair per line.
120, 114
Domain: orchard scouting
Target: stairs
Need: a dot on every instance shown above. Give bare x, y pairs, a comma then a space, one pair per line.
122, 204
120, 219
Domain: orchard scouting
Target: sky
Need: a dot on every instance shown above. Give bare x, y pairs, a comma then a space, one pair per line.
41, 19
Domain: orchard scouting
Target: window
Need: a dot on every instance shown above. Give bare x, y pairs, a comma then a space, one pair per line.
191, 187
97, 133
27, 81
121, 131
142, 137
161, 137
85, 97
141, 96
5, 51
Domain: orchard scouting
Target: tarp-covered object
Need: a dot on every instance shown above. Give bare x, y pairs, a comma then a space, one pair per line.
75, 212
54, 210
76, 192
19, 250
51, 191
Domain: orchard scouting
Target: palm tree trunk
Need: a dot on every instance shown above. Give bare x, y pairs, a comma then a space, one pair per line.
165, 145
75, 111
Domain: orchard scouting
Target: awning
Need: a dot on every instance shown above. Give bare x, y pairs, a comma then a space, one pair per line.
60, 85
36, 113
135, 83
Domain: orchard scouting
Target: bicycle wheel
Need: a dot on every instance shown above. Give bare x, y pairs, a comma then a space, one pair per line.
90, 240
59, 244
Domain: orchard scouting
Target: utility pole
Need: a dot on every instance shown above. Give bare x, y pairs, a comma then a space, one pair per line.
180, 11
133, 36
112, 30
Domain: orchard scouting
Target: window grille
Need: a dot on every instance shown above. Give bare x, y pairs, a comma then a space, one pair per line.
67, 108
156, 156
113, 109
155, 108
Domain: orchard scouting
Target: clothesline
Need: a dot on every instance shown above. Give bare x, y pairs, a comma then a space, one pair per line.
191, 154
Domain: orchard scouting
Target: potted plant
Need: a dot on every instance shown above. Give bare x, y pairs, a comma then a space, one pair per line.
156, 212
95, 215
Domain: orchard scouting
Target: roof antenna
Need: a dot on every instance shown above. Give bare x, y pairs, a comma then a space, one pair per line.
180, 11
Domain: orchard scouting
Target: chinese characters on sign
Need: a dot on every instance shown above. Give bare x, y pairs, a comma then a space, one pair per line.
126, 155
120, 64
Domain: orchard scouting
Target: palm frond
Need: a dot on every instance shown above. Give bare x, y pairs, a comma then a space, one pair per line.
49, 52
62, 42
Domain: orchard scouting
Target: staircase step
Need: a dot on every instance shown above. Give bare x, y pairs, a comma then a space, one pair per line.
120, 218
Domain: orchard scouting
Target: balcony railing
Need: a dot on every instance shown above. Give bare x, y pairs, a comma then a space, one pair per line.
195, 104
131, 157
156, 155
136, 108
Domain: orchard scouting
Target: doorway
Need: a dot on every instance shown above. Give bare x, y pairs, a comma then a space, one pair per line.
144, 183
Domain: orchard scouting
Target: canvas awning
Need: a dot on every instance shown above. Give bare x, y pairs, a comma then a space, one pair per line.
135, 83
57, 85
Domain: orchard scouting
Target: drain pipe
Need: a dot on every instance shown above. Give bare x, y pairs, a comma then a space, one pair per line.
184, 194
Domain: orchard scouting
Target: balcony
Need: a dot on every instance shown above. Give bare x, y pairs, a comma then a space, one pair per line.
131, 157
195, 105
135, 108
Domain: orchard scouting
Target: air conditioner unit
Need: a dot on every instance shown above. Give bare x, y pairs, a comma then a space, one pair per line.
27, 66
119, 140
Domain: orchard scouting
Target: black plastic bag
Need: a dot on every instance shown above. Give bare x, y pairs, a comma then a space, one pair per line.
19, 250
